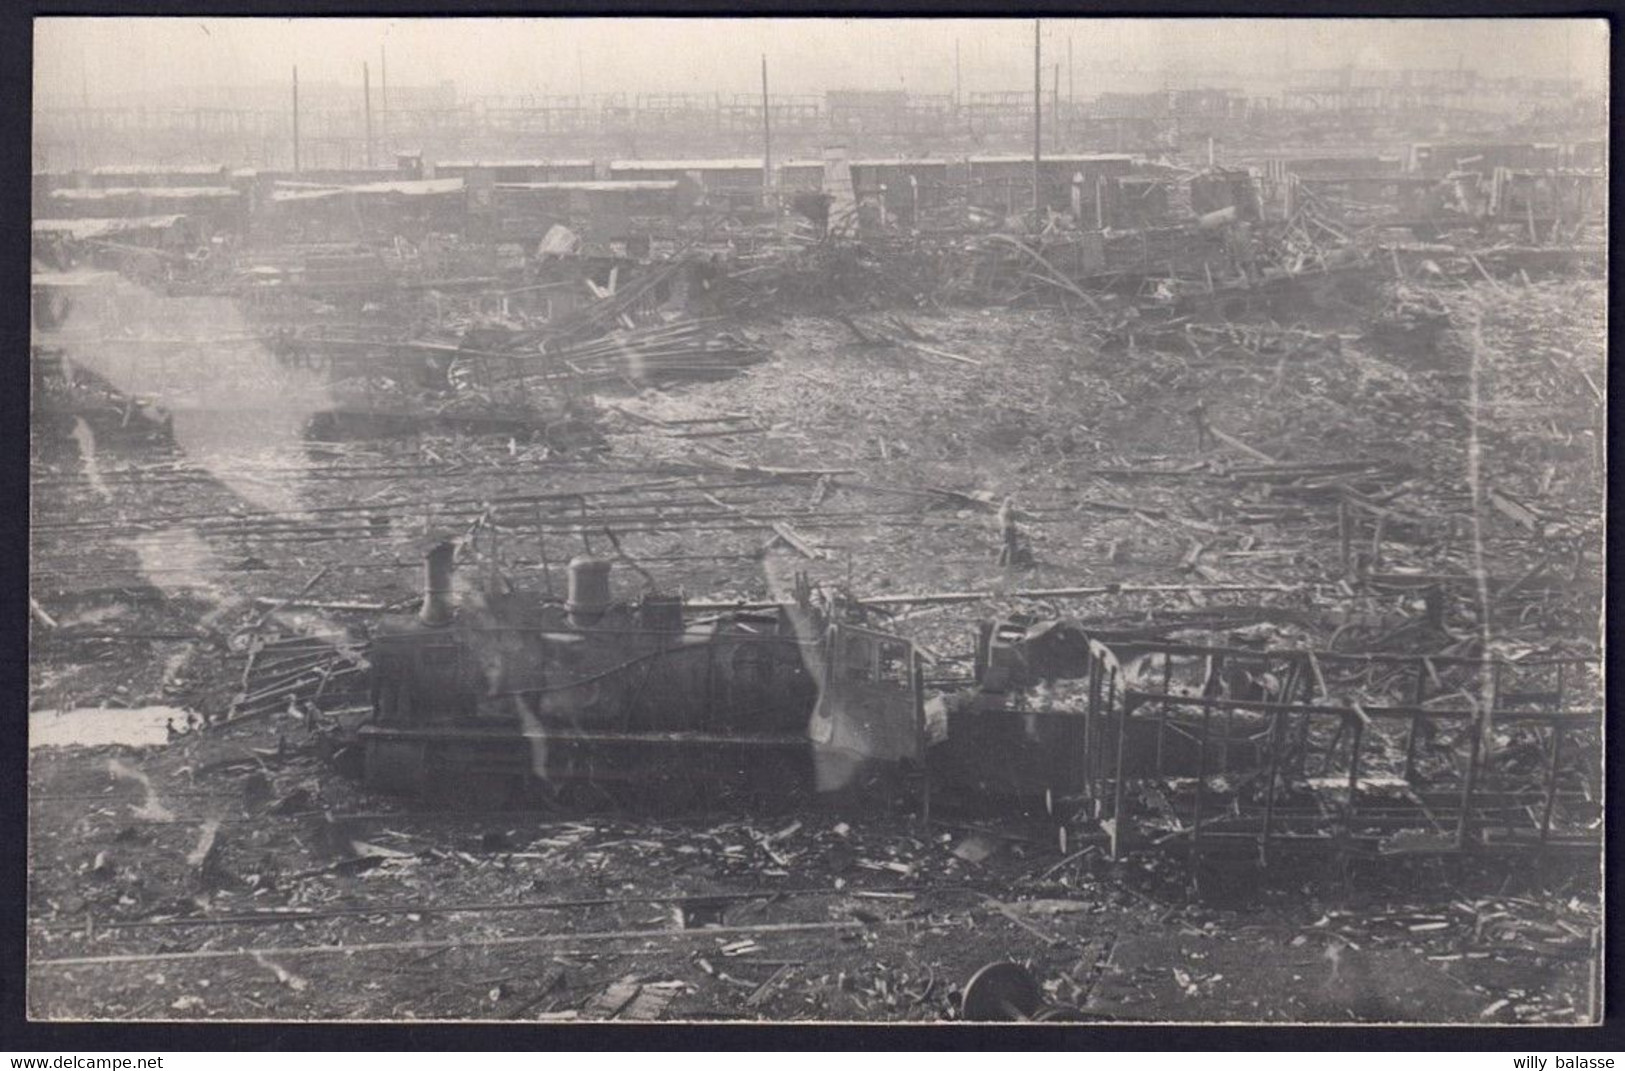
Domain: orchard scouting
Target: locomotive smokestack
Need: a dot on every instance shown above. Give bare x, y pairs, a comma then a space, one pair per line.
437, 585
589, 594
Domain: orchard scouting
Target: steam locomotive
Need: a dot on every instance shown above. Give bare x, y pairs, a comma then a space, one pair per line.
488, 692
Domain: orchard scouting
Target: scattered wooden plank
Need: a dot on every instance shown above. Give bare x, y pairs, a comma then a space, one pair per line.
782, 531
1188, 562
1516, 511
760, 994
549, 983
1004, 909
609, 1003
1595, 390
934, 352
1231, 441
640, 417
39, 613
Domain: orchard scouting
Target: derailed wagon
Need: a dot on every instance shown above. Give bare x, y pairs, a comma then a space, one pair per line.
1258, 749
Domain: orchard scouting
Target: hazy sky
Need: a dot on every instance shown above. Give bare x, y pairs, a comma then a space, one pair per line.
107, 60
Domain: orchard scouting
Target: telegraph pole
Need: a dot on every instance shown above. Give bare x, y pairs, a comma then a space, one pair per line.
383, 103
366, 105
956, 73
296, 118
1055, 109
1038, 113
767, 137
1071, 87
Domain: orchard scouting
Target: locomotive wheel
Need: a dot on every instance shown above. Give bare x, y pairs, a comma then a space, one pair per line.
1001, 992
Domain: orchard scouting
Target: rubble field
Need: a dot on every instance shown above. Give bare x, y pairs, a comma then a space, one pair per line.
181, 559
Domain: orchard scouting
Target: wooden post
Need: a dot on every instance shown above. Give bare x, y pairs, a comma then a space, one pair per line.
1210, 690
1201, 776
1418, 694
296, 119
1356, 737
1117, 774
919, 718
1276, 721
1469, 782
1093, 760
366, 106
383, 101
1551, 781
541, 550
767, 137
1162, 708
1038, 116
1055, 109
1071, 88
956, 74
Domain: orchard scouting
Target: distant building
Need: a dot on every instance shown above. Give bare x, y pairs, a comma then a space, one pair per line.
376, 211
903, 185
1482, 157
600, 210
1005, 182
712, 175
500, 171
221, 208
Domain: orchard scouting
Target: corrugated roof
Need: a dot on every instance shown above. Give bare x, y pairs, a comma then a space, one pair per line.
305, 193
599, 186
899, 163
171, 193
158, 169
415, 188
97, 228
77, 277
687, 165
512, 163
1062, 158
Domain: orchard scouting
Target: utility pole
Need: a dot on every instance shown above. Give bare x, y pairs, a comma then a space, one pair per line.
366, 105
1038, 113
1071, 88
383, 103
956, 74
1055, 109
767, 137
296, 118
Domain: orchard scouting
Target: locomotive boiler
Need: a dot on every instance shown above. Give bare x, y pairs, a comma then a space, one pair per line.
484, 692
